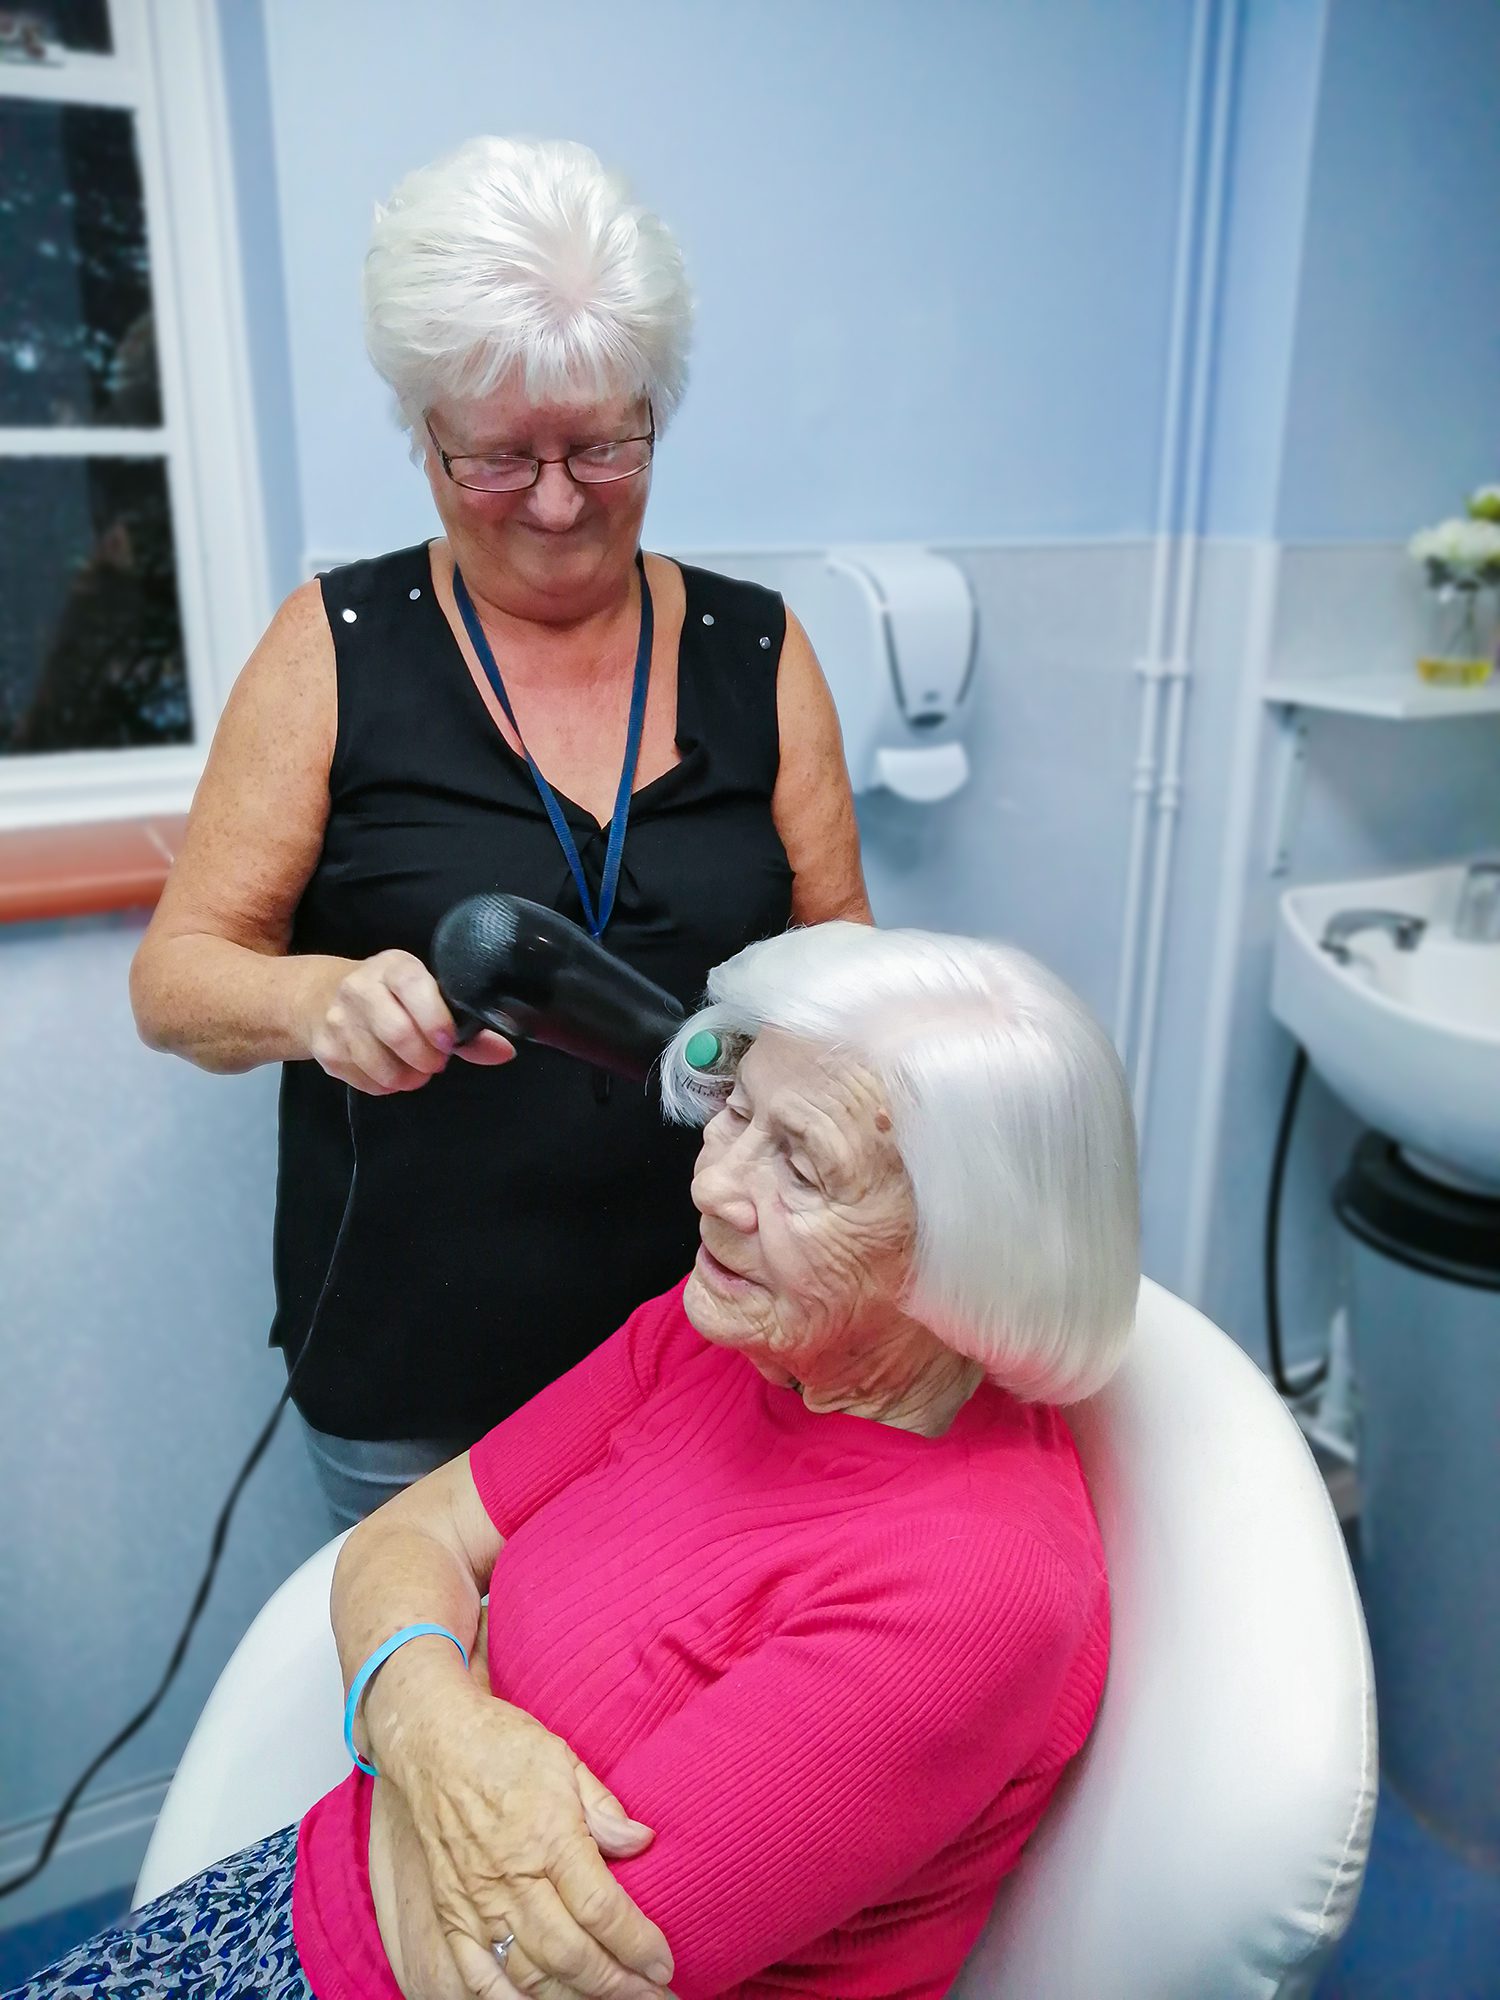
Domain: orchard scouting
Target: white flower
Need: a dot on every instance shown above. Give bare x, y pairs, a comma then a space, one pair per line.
1458, 546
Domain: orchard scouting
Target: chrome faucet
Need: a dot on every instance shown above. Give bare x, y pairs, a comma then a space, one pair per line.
1478, 917
1405, 932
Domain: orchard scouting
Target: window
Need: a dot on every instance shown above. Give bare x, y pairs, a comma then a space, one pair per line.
118, 500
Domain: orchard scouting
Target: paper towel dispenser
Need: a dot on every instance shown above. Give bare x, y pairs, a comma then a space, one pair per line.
896, 629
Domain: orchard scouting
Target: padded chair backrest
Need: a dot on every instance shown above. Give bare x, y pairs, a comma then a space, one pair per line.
270, 1739
1210, 1841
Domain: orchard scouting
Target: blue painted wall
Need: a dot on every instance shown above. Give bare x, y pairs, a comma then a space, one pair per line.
931, 245
135, 1226
1358, 362
258, 214
1277, 71
1395, 382
932, 250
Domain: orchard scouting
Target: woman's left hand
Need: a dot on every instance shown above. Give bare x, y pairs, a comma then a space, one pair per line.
514, 1831
421, 1961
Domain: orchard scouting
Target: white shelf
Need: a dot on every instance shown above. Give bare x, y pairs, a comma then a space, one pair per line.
1395, 697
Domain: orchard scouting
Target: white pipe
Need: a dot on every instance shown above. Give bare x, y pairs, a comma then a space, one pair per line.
1223, 981
1142, 792
1169, 790
1143, 781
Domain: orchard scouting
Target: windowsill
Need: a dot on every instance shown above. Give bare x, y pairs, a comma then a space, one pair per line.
84, 871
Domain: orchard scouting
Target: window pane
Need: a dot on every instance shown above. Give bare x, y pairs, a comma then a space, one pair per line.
80, 25
76, 343
91, 654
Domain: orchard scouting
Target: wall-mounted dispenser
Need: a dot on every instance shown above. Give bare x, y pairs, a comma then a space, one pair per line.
896, 629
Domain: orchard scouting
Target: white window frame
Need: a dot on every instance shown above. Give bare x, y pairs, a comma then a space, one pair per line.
167, 69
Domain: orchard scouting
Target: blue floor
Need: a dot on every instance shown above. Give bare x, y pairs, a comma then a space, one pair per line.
28, 1947
1427, 1926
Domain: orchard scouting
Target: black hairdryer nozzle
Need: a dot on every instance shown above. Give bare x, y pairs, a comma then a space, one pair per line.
535, 976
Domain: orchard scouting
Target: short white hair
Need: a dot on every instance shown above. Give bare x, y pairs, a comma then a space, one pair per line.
524, 258
1012, 1116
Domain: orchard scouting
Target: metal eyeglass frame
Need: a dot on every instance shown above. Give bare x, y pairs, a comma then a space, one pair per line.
449, 459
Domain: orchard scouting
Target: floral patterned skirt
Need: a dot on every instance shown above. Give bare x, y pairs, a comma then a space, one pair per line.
225, 1935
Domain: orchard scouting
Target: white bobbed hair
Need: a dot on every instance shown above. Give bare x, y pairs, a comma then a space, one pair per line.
524, 259
1012, 1116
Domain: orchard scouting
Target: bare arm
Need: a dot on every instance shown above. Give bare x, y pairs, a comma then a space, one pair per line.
212, 980
813, 805
424, 1558
511, 1827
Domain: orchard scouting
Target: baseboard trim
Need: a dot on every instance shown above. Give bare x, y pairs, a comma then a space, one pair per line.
102, 1848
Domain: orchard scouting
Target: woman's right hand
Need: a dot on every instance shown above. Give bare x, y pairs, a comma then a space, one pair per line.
514, 1830
382, 1026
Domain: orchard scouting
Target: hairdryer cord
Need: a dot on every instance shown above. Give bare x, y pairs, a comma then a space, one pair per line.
205, 1583
138, 1722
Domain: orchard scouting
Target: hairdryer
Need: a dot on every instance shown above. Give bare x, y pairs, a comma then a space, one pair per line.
504, 963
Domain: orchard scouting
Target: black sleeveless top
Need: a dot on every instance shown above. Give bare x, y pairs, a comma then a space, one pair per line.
444, 1253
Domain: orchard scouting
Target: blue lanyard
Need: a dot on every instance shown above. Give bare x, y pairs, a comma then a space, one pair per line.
620, 819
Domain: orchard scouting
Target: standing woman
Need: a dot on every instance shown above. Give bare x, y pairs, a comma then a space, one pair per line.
482, 712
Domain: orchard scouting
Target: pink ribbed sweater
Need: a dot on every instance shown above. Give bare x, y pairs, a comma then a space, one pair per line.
838, 1667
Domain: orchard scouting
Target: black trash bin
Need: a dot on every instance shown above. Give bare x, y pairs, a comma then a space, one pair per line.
1425, 1318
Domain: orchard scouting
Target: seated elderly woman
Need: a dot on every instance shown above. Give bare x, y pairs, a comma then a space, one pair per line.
797, 1605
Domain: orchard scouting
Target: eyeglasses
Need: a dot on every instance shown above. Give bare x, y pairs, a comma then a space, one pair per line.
513, 472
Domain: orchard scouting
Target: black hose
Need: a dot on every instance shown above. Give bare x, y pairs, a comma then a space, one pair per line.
1270, 1265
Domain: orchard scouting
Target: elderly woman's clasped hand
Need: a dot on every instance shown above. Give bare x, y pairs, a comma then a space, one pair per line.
513, 1831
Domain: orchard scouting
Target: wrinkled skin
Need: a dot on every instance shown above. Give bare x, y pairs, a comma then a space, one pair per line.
557, 552
808, 1230
559, 1820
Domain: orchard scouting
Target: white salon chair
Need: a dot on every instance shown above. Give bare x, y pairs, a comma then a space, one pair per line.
1210, 1841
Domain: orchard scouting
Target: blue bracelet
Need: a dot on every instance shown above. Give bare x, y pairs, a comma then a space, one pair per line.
378, 1659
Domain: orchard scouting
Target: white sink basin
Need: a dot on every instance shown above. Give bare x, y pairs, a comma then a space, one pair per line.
1410, 1040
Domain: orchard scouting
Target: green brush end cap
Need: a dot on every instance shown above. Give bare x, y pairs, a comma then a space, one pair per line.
703, 1049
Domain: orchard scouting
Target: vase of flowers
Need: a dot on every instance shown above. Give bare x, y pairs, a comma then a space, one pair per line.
1461, 559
